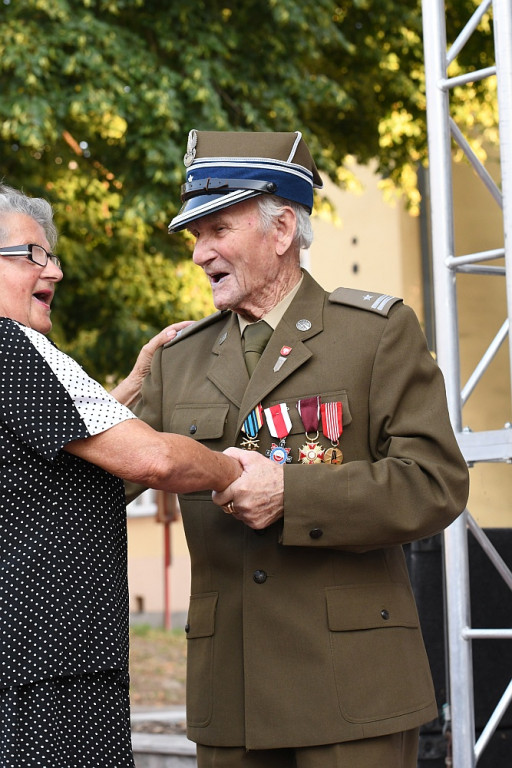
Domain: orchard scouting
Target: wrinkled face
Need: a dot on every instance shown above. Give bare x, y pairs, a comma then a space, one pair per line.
238, 257
26, 289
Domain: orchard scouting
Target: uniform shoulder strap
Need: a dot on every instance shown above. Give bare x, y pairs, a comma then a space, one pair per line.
205, 322
380, 303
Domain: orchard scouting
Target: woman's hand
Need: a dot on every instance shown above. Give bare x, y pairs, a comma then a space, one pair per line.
128, 390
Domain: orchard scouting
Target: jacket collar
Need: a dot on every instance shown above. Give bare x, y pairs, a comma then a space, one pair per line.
302, 320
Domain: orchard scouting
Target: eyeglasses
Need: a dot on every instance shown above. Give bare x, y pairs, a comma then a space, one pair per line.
35, 253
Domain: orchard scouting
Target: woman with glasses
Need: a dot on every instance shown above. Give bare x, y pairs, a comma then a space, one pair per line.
65, 443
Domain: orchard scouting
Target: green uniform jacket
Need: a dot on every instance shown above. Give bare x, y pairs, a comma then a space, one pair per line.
307, 632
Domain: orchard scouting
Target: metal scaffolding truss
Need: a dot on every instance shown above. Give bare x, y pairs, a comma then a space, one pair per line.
482, 446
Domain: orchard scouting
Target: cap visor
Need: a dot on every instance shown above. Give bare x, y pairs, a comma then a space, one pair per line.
203, 205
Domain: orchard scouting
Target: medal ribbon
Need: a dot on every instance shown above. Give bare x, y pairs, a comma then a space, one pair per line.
278, 420
253, 422
332, 420
309, 411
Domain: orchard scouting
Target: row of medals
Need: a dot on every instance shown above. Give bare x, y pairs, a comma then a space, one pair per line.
310, 453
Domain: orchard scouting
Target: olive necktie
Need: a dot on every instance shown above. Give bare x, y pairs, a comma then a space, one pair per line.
256, 337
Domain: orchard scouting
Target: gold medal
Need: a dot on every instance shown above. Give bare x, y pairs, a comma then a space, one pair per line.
311, 453
309, 412
250, 444
333, 456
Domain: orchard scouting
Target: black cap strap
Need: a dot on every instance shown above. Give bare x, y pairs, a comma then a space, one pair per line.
211, 186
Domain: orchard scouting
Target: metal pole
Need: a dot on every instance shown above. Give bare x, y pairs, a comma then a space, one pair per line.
456, 547
441, 202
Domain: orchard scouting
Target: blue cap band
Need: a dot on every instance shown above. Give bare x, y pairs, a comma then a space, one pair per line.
256, 176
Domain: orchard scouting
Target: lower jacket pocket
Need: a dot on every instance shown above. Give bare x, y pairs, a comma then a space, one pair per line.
200, 629
379, 661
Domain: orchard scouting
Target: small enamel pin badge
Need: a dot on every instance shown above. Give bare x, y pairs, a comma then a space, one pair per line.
283, 355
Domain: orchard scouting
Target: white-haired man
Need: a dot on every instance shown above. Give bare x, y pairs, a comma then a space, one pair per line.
304, 643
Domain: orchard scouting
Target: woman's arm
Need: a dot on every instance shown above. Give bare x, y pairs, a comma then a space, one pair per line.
134, 451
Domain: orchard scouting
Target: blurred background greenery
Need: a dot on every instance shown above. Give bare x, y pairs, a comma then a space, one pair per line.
97, 98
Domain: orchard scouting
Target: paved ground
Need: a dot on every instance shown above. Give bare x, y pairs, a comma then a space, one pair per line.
159, 740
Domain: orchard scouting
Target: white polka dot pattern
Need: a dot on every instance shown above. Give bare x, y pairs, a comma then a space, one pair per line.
63, 584
98, 409
67, 722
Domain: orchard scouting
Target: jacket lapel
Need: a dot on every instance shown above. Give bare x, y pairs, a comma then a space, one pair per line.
228, 371
302, 320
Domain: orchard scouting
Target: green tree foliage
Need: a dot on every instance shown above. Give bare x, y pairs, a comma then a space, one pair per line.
97, 98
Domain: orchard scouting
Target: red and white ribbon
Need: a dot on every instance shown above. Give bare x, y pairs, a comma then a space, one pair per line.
278, 420
332, 420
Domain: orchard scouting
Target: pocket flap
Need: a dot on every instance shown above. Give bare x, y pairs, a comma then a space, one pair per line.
200, 421
370, 606
201, 615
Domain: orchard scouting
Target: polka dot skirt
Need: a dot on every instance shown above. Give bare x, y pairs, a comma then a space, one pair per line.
69, 722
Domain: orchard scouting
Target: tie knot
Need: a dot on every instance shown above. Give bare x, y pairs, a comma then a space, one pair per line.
256, 337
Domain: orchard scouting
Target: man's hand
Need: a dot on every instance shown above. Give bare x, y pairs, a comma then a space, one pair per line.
257, 497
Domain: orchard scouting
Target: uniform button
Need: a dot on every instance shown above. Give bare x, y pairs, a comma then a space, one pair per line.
259, 577
193, 429
385, 614
316, 533
187, 628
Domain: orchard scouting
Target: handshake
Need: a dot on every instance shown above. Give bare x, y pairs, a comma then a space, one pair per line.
256, 497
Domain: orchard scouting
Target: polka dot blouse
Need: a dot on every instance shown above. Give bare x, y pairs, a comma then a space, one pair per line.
63, 583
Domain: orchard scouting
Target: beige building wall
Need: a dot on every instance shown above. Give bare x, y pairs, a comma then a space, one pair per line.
145, 565
147, 571
375, 247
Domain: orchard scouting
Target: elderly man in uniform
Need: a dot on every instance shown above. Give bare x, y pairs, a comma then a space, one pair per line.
304, 646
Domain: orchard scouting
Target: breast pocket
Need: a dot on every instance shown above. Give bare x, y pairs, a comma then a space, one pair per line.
202, 421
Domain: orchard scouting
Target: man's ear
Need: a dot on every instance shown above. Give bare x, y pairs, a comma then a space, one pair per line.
286, 225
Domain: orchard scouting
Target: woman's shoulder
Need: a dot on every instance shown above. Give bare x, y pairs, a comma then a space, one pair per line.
10, 329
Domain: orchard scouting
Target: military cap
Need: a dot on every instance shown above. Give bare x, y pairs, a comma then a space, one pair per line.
224, 168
